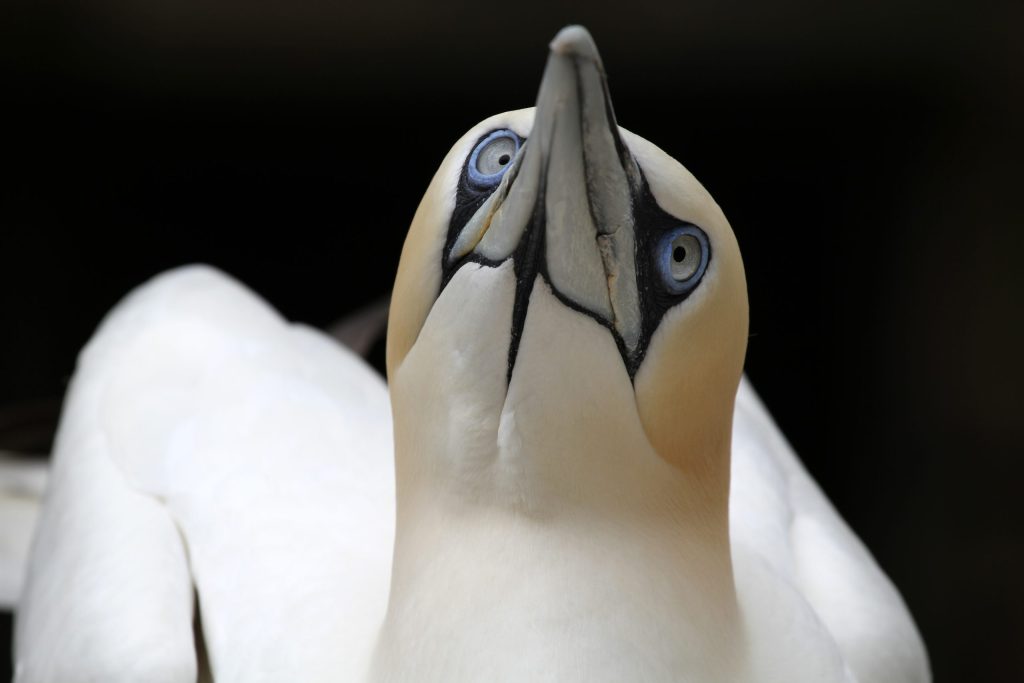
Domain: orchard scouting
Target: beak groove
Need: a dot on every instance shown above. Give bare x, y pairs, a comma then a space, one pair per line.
565, 208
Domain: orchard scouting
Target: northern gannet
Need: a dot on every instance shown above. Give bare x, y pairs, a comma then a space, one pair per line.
587, 489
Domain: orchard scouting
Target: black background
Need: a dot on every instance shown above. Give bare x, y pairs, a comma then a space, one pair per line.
868, 155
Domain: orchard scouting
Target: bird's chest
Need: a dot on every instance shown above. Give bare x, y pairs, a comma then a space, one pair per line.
530, 601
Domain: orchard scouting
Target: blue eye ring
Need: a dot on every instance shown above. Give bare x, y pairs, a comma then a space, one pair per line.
483, 179
679, 268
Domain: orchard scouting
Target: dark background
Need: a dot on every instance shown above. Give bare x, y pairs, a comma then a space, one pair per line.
868, 155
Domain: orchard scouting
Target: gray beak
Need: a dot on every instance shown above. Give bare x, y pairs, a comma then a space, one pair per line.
564, 209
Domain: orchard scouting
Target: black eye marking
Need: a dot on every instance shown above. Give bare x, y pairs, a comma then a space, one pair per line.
671, 255
667, 248
471, 192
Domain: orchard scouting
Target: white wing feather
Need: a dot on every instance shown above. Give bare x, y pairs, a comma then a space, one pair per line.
804, 570
207, 442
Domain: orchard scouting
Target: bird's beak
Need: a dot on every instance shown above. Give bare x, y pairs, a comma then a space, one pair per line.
564, 209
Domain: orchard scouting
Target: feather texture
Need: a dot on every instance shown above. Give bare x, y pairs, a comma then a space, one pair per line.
800, 569
210, 449
205, 442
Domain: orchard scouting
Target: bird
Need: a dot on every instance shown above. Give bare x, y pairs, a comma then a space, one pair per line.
566, 476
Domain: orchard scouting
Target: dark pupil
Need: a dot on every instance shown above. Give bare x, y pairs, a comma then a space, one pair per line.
679, 254
503, 159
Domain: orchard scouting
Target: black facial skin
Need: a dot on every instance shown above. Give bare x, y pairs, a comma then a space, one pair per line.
651, 223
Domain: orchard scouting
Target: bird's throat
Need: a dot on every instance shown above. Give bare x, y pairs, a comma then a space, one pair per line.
533, 505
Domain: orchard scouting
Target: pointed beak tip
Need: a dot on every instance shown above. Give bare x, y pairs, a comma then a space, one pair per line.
575, 41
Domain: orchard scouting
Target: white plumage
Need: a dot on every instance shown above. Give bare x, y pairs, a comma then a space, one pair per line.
783, 528
206, 441
557, 518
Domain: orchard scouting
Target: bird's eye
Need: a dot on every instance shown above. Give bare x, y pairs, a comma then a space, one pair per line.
681, 258
492, 157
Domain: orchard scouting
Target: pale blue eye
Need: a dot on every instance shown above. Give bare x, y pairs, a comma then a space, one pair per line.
681, 257
491, 157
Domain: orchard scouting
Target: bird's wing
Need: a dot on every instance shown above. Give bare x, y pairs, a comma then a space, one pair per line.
208, 445
782, 522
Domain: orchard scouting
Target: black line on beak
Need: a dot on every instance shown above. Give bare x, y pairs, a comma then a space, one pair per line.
527, 261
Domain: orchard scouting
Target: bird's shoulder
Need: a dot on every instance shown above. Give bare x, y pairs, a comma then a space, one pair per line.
193, 355
251, 457
804, 569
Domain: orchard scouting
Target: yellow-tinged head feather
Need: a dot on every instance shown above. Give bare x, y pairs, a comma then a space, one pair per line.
598, 207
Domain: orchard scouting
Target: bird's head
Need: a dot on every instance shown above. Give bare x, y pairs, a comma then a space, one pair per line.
566, 287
